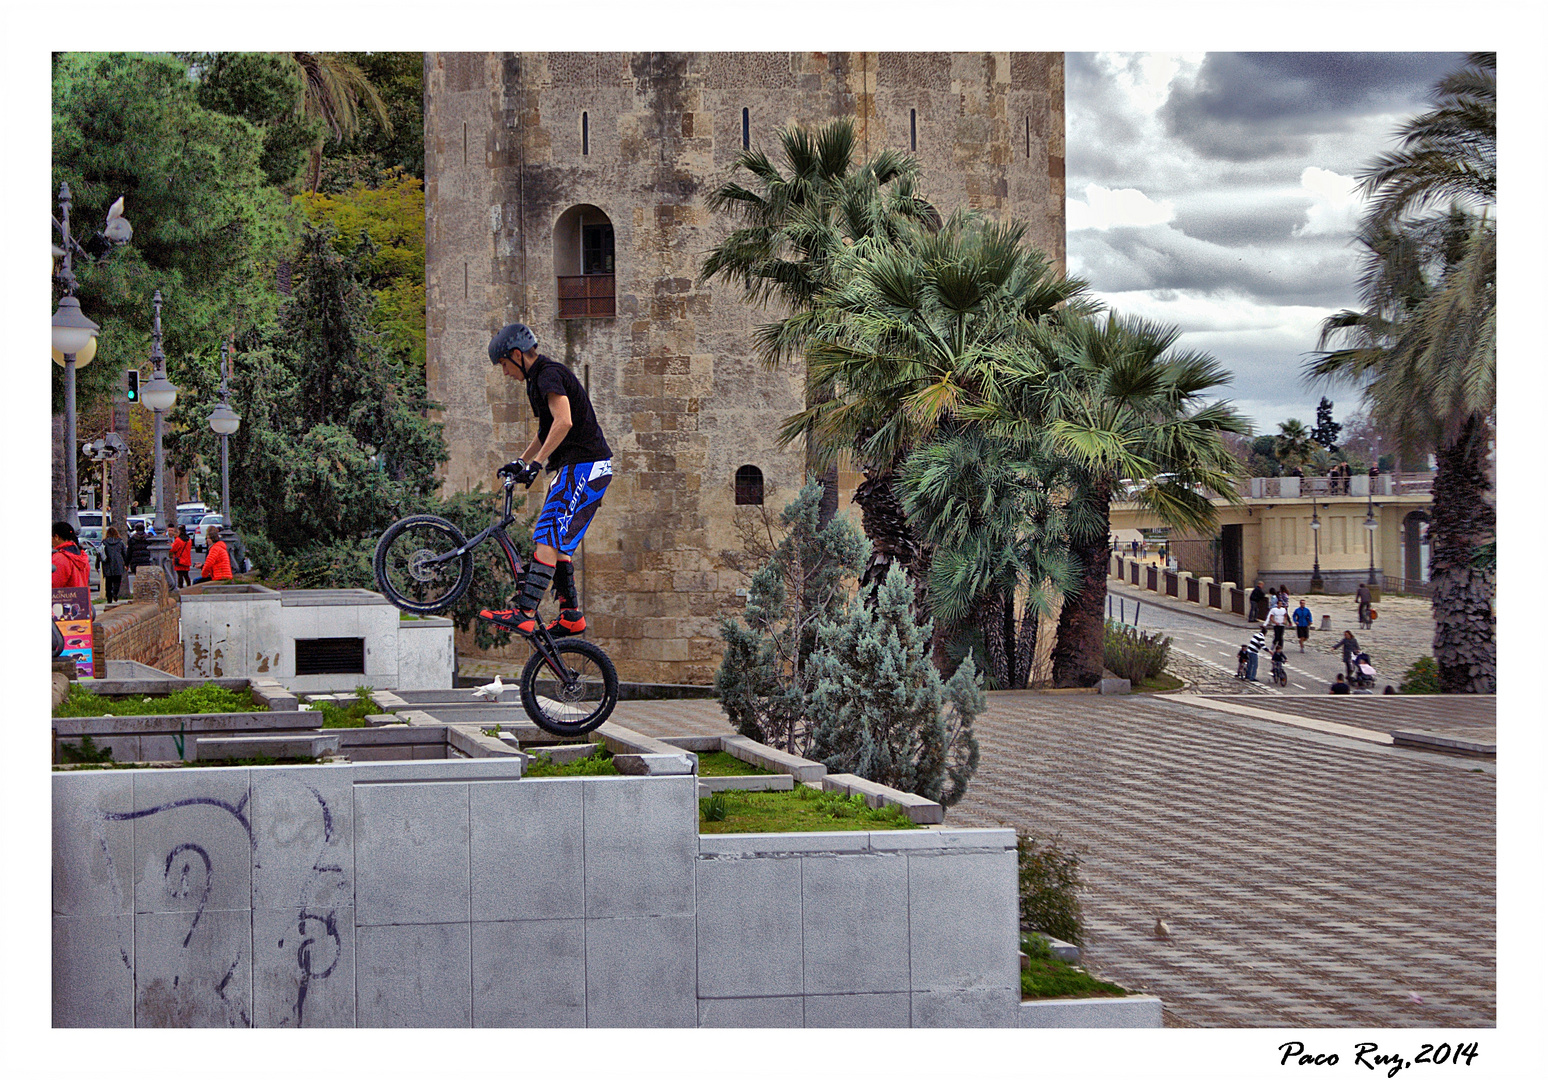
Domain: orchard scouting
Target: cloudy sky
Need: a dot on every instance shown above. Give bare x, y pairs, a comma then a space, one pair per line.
1214, 191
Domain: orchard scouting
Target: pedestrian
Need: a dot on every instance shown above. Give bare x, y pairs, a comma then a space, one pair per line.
1339, 686
1255, 644
72, 569
115, 560
182, 555
1302, 617
1283, 598
1257, 603
1278, 618
139, 549
217, 561
1351, 649
1363, 605
1389, 689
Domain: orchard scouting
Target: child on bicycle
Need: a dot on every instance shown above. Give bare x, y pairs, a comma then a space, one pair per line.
570, 441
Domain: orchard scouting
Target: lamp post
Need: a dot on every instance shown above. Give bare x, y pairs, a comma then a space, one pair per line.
1316, 527
159, 395
1370, 533
75, 343
224, 421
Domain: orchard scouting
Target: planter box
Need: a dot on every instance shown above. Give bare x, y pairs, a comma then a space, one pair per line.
1134, 1011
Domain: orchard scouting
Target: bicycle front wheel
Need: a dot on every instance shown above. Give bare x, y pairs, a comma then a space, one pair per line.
415, 568
579, 703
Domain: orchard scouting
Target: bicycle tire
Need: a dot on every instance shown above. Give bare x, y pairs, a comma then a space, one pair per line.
558, 712
420, 590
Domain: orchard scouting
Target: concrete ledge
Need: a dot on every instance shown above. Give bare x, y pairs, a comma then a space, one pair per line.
170, 723
1444, 742
269, 692
395, 735
766, 757
778, 782
1113, 686
747, 845
273, 746
624, 741
699, 744
565, 753
475, 744
920, 811
943, 840
655, 764
432, 771
1134, 1011
159, 683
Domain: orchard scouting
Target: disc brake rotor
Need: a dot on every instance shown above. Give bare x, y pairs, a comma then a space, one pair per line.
420, 566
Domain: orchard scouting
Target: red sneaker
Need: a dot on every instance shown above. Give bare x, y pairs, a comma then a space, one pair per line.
522, 622
570, 623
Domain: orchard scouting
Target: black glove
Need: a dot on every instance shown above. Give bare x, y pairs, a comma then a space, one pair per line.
513, 469
522, 472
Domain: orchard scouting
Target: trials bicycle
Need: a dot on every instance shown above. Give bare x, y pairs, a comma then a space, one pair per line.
423, 565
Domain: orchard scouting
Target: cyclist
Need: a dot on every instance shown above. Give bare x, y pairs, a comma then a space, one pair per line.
570, 441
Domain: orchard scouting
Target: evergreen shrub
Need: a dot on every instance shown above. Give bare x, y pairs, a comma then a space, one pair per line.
1048, 884
1132, 654
1422, 677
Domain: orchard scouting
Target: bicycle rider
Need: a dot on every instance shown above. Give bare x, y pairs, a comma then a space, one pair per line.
570, 441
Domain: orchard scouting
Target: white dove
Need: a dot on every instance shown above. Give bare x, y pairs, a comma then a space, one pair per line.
118, 229
490, 691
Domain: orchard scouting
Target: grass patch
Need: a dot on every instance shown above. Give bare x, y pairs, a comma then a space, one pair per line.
720, 763
1047, 976
352, 715
800, 810
208, 698
598, 763
1158, 684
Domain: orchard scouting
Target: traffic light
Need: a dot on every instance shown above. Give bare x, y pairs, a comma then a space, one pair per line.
134, 386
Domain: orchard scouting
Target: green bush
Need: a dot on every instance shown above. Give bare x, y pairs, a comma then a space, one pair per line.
351, 715
1048, 880
207, 698
86, 753
597, 763
1131, 654
1423, 677
1047, 976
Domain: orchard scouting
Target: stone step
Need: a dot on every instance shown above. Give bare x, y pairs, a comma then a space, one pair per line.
777, 782
920, 811
229, 748
766, 757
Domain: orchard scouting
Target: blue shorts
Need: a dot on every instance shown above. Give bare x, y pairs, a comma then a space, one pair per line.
573, 498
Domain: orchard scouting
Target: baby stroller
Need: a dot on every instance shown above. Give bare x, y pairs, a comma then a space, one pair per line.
1364, 673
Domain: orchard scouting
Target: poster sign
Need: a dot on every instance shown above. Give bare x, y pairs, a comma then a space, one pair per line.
72, 614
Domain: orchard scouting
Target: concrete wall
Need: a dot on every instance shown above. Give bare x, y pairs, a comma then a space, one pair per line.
251, 631
452, 894
673, 376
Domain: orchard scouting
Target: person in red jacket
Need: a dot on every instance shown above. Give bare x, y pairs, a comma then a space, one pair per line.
71, 566
217, 562
182, 555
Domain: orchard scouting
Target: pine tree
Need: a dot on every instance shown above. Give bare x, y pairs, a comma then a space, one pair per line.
1325, 434
764, 681
880, 701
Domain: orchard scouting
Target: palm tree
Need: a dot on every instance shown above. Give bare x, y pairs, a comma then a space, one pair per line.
1115, 400
915, 331
1423, 345
332, 92
1293, 445
796, 221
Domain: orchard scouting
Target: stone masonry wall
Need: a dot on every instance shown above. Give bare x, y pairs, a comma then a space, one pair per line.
672, 375
146, 630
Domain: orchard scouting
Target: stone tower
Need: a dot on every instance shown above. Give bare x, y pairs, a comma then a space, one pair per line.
567, 191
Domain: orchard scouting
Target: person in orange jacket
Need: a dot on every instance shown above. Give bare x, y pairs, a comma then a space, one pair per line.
217, 561
71, 566
182, 555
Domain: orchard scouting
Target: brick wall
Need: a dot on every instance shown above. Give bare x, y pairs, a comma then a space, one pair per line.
147, 629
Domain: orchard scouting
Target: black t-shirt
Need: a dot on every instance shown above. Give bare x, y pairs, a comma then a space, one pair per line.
584, 441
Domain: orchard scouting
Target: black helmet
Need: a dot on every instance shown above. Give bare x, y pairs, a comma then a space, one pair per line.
515, 336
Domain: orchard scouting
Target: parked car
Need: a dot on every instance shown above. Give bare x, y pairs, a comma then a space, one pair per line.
197, 508
92, 519
190, 519
90, 537
148, 520
201, 534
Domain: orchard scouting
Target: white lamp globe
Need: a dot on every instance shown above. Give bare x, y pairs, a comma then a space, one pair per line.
224, 420
159, 395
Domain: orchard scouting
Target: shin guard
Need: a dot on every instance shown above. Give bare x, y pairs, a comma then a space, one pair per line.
564, 584
534, 584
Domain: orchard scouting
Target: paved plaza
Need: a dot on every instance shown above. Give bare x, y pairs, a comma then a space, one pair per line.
1309, 880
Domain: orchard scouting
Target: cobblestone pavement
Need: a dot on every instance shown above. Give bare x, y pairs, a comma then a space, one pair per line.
1308, 880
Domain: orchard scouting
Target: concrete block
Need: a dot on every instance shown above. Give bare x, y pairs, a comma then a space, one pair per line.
304, 835
411, 853
780, 782
93, 843
749, 845
270, 692
564, 755
749, 927
1113, 686
654, 764
943, 840
919, 810
761, 1012
193, 841
967, 1009
529, 974
642, 834
236, 747
413, 976
640, 972
193, 969
93, 963
304, 968
475, 744
527, 850
503, 768
698, 744
963, 922
855, 924
857, 1010
766, 757
1134, 1011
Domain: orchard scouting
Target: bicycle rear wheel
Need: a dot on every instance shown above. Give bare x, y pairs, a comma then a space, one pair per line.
412, 568
575, 707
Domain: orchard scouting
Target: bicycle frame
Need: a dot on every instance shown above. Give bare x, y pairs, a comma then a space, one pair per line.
542, 641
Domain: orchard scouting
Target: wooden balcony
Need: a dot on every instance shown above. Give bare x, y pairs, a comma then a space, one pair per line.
587, 296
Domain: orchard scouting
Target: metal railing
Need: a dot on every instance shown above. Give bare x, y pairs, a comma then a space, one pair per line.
1410, 586
587, 296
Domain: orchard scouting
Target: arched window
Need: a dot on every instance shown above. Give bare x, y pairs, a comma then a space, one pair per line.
749, 486
583, 264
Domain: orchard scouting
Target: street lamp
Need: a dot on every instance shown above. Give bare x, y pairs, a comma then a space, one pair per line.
158, 395
224, 422
1316, 527
1370, 532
